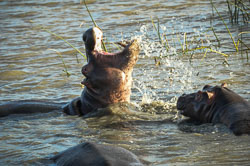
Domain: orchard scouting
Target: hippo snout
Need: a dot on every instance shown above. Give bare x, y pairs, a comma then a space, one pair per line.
84, 70
87, 69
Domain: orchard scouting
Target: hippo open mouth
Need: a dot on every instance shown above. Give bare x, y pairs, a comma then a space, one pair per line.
108, 76
93, 41
101, 63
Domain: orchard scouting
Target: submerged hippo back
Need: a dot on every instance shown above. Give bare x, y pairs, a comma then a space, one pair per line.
90, 154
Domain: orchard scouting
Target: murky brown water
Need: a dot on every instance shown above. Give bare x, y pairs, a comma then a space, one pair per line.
31, 70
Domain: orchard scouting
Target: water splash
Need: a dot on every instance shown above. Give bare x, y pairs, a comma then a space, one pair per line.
160, 76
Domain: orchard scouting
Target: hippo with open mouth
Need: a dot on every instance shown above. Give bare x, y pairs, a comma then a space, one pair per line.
108, 75
217, 104
108, 80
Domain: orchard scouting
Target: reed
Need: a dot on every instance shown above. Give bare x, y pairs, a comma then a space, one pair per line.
235, 45
65, 67
234, 9
185, 42
158, 33
218, 52
212, 28
60, 37
58, 53
181, 45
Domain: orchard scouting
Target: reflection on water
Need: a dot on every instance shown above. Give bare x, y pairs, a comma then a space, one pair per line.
30, 70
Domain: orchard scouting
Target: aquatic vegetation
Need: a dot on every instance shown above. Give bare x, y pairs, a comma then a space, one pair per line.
183, 44
64, 65
173, 42
60, 37
192, 43
236, 46
234, 9
58, 53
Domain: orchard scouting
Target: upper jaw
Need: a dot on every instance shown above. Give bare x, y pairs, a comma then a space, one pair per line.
98, 35
98, 46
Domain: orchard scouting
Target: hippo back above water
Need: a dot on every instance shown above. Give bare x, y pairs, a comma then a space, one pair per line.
217, 104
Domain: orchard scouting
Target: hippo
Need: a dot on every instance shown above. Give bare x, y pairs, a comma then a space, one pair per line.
108, 80
92, 154
217, 104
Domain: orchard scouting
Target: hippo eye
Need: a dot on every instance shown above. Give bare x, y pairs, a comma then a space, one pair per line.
198, 96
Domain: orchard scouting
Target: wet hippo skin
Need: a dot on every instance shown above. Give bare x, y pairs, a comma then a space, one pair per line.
28, 106
108, 76
217, 104
108, 80
91, 154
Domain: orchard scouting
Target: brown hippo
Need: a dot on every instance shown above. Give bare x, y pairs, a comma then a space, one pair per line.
217, 104
91, 154
108, 80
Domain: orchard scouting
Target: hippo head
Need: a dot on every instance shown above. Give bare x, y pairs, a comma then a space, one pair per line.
203, 104
108, 75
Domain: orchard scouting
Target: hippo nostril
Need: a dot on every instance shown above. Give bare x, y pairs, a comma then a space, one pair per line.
84, 71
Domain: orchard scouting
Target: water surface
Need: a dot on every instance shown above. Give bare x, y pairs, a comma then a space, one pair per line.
31, 69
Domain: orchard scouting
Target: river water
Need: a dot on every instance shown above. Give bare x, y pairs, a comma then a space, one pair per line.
31, 68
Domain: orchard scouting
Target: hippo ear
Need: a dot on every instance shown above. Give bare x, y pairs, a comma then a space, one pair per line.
210, 96
224, 85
